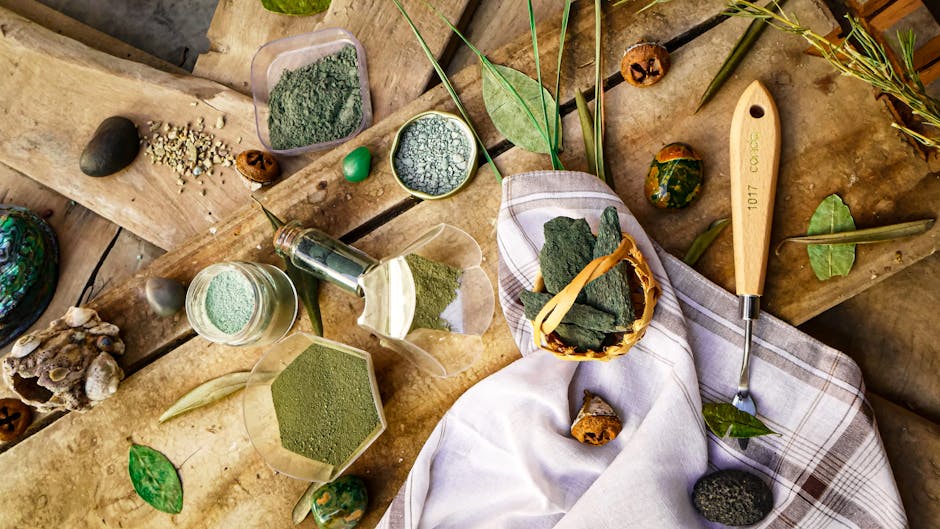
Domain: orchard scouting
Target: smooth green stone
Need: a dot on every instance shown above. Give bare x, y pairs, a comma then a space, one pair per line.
569, 245
675, 177
611, 292
581, 338
113, 147
581, 315
340, 504
357, 164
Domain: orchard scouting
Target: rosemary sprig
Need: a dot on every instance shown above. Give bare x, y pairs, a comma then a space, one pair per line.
450, 89
864, 58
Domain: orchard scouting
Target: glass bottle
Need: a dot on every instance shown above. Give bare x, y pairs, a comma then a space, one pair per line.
389, 287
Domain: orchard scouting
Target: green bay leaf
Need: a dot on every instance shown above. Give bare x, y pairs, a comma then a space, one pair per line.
155, 479
296, 7
723, 419
829, 260
507, 114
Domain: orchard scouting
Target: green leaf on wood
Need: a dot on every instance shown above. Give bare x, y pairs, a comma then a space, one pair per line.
507, 113
155, 479
206, 393
724, 420
587, 130
865, 236
828, 260
296, 7
704, 240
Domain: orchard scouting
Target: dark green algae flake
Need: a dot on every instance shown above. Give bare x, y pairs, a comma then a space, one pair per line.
324, 404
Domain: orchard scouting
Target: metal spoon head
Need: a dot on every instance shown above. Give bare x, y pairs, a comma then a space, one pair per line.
742, 400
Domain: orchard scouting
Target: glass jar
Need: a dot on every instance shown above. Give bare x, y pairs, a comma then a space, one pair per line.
241, 303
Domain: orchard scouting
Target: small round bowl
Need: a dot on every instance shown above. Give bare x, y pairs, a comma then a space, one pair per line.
275, 304
261, 417
291, 53
471, 161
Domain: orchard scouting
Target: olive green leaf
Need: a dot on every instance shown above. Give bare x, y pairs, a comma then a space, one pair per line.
865, 236
206, 393
828, 260
704, 240
508, 114
155, 479
308, 287
587, 130
724, 420
296, 7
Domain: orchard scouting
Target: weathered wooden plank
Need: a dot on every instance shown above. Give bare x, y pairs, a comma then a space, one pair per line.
398, 70
73, 29
890, 330
912, 444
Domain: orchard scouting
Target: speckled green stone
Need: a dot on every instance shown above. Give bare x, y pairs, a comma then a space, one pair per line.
29, 269
356, 164
675, 177
340, 504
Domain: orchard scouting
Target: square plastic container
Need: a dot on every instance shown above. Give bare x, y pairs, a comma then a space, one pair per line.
291, 53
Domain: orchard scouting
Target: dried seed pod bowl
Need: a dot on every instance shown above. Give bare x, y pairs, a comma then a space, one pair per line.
277, 57
462, 165
644, 291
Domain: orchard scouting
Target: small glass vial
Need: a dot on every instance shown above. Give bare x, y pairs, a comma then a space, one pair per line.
241, 303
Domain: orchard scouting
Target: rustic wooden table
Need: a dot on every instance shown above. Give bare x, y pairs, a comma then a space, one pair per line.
116, 232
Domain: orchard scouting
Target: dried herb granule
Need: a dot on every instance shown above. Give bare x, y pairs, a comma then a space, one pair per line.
436, 287
324, 404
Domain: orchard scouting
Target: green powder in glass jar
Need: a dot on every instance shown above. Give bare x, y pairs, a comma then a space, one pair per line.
230, 301
324, 404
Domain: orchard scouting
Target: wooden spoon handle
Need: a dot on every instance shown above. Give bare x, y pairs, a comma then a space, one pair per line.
755, 155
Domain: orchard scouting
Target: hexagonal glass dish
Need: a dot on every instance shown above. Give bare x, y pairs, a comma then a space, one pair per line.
291, 53
261, 417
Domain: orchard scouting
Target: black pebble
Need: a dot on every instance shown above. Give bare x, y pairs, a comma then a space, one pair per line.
113, 147
732, 497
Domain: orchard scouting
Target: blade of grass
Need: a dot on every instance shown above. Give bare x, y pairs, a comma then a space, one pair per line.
740, 50
864, 236
556, 163
450, 88
561, 53
704, 240
503, 82
587, 130
599, 99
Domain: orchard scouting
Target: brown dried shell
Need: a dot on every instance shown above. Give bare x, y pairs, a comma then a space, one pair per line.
644, 294
67, 366
644, 64
597, 423
258, 166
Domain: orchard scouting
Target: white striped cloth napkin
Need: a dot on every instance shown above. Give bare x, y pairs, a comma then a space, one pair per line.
502, 456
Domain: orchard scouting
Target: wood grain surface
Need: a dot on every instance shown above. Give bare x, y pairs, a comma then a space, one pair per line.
226, 483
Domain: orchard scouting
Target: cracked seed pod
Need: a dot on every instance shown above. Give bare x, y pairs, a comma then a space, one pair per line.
597, 423
644, 64
67, 366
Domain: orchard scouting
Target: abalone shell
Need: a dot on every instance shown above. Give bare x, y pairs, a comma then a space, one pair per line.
29, 269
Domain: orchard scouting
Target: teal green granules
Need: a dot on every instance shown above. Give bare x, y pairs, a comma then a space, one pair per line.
436, 286
317, 103
324, 404
230, 301
433, 155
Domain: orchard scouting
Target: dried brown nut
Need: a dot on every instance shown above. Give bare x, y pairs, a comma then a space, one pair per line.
597, 423
645, 63
258, 166
15, 418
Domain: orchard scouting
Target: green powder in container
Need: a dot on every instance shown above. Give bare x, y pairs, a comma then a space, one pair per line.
324, 404
436, 286
230, 301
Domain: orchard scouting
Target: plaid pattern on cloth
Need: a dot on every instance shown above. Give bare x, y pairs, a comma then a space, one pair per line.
503, 457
